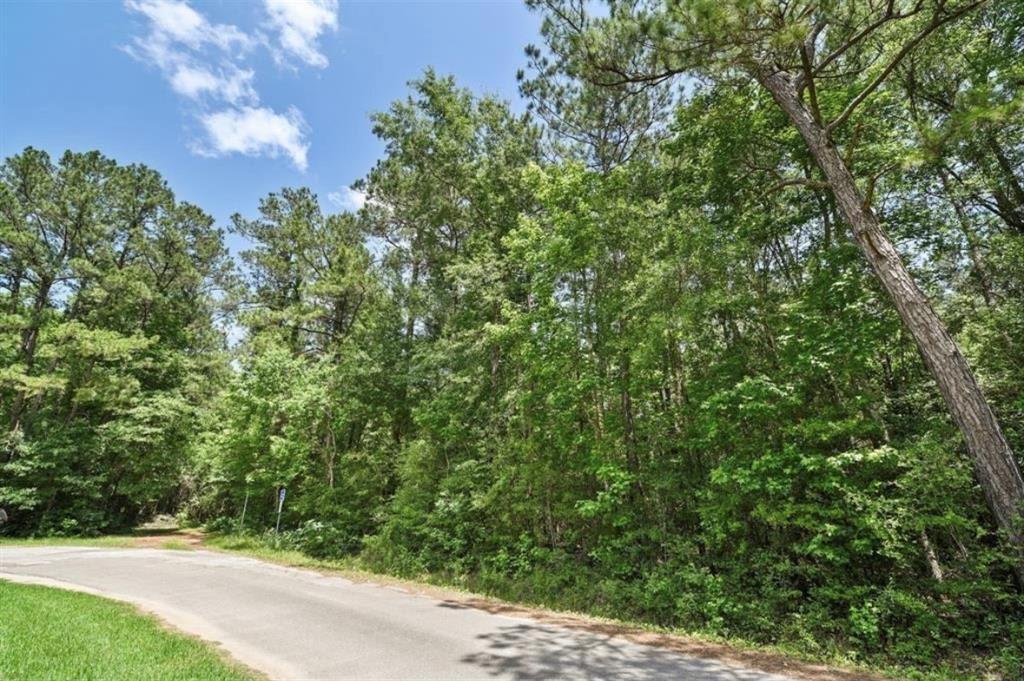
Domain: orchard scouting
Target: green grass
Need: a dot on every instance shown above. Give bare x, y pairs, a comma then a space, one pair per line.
262, 547
55, 635
110, 541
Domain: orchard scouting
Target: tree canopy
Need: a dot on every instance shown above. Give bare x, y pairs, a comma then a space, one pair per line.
725, 333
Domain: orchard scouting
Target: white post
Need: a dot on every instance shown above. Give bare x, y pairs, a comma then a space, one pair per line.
280, 505
245, 505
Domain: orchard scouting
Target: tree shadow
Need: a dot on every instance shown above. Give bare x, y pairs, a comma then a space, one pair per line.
534, 651
667, 655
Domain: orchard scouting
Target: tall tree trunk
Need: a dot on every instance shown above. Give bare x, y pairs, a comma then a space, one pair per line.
931, 556
971, 239
27, 351
994, 462
1009, 197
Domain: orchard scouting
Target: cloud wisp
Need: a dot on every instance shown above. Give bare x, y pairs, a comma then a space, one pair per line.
348, 198
298, 26
228, 83
176, 21
207, 64
257, 131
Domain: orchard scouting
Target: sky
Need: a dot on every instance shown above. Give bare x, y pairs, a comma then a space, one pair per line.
230, 100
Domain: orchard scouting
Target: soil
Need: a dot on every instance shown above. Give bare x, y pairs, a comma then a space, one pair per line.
174, 539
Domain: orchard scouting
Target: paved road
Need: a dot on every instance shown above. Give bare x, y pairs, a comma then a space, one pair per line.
296, 624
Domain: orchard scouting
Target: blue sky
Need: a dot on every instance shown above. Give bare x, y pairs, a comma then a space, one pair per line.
232, 100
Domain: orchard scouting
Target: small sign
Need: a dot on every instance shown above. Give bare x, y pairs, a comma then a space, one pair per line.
280, 505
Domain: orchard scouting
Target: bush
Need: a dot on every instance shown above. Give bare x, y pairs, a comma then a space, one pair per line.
324, 540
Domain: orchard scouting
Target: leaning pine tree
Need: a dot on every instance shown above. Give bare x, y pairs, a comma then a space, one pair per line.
821, 62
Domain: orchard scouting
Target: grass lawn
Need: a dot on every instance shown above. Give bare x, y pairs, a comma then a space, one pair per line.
108, 541
55, 635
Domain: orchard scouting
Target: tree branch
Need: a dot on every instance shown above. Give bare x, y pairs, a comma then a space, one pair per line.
937, 22
791, 182
889, 15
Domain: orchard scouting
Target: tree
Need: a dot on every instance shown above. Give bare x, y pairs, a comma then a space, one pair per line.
824, 65
638, 375
108, 313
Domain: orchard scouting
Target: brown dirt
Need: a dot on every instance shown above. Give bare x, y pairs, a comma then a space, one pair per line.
190, 538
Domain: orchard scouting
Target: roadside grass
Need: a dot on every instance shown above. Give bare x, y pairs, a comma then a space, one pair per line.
109, 541
62, 635
254, 546
262, 547
173, 539
512, 594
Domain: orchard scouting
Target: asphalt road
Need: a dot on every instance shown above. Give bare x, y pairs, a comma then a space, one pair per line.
297, 624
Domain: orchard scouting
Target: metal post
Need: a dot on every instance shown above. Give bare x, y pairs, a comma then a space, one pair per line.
280, 505
245, 505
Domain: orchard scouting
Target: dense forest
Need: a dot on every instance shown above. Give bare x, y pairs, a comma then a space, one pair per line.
721, 328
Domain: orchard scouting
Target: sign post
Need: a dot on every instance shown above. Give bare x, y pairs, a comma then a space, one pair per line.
280, 505
245, 505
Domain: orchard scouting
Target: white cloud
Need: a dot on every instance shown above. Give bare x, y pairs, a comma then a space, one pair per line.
179, 43
299, 24
348, 198
206, 63
231, 84
256, 131
176, 21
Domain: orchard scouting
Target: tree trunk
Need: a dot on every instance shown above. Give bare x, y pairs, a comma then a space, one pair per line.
980, 271
931, 556
27, 350
994, 463
1011, 204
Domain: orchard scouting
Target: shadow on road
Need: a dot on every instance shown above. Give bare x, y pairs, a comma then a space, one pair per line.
539, 651
529, 651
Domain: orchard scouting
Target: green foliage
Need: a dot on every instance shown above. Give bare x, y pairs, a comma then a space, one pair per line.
615, 365
108, 342
642, 390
